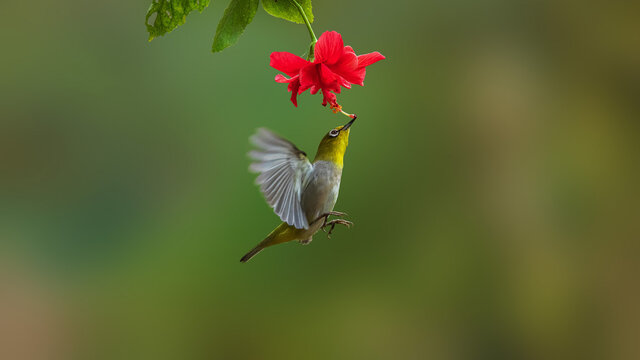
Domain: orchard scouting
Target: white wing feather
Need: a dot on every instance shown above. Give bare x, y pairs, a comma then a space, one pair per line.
283, 170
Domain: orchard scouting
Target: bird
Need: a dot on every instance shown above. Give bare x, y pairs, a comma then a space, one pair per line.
301, 193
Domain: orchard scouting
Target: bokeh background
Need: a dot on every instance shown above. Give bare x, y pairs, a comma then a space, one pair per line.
492, 176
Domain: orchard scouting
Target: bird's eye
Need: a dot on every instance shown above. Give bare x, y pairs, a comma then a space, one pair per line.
333, 133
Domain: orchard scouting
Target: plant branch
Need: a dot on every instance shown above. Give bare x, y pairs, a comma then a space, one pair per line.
314, 40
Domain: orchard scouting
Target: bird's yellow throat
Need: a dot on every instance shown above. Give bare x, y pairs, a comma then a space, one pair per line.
333, 148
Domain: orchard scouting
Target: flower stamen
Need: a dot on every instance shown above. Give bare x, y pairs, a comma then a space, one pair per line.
353, 116
338, 109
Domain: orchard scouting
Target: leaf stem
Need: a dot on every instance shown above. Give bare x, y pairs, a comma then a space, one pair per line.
314, 40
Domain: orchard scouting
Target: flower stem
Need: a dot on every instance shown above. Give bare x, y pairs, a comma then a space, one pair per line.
314, 40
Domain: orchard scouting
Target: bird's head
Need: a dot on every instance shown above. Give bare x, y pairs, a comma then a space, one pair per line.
334, 144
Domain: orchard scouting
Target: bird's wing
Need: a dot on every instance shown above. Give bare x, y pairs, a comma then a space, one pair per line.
283, 171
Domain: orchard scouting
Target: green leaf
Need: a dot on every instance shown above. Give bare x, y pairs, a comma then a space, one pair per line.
285, 9
170, 14
236, 17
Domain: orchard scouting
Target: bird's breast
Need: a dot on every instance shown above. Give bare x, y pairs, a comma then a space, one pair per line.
321, 191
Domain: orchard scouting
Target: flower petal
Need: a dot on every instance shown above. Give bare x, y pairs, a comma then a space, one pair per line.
309, 78
347, 68
329, 97
326, 75
370, 58
348, 62
356, 76
329, 48
344, 83
283, 79
286, 62
293, 87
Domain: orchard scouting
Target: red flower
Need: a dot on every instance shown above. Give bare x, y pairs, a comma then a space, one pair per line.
334, 66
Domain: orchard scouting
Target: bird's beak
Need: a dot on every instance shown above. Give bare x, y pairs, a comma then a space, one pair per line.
348, 125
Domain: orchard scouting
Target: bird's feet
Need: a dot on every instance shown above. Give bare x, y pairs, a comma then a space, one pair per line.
325, 216
333, 224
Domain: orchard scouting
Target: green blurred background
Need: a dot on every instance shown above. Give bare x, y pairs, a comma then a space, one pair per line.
492, 176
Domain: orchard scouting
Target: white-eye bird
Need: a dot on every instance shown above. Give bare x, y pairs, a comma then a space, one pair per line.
300, 192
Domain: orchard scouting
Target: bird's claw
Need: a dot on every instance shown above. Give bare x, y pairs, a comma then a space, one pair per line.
333, 224
337, 213
326, 216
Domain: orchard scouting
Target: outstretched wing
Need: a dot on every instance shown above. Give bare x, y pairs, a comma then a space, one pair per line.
283, 171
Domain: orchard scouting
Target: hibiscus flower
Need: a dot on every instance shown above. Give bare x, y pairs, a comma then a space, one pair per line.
335, 66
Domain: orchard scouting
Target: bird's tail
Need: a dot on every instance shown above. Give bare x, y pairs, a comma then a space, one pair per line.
252, 253
283, 233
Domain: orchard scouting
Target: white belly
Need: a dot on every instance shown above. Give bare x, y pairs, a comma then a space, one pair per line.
321, 193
